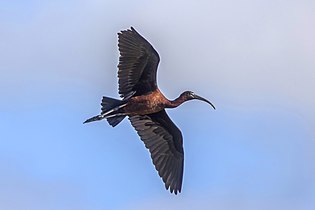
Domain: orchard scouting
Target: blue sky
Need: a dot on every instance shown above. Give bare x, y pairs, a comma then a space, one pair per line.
253, 59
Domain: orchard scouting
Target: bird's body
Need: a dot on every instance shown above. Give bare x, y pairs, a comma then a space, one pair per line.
144, 104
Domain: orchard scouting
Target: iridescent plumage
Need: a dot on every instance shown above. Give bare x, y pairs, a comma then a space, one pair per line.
145, 105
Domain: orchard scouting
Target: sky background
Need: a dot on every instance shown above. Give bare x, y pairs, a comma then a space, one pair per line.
253, 59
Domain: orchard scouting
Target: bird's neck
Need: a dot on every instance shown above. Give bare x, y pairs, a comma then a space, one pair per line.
175, 103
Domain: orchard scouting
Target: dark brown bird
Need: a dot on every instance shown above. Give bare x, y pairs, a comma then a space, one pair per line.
145, 105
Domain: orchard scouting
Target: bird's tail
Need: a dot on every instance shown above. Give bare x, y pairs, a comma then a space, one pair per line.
110, 104
111, 111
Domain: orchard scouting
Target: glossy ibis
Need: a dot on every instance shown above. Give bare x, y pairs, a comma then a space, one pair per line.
145, 105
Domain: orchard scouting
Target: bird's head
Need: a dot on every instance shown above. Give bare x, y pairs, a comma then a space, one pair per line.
189, 95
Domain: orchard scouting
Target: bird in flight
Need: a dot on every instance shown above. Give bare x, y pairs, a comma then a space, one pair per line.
144, 104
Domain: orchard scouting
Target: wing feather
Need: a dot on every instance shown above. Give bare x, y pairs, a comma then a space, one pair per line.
164, 141
138, 64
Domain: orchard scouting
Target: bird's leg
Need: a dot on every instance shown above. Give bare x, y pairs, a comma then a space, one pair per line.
103, 115
115, 115
106, 114
95, 118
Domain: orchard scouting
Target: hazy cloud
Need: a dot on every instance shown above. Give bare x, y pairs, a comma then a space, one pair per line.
253, 59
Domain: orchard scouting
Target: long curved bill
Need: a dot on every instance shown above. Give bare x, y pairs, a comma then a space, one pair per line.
205, 100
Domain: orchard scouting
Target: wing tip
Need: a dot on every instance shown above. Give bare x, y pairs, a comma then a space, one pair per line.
173, 189
131, 29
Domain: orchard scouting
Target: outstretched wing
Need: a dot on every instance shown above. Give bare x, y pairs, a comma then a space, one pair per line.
165, 143
138, 64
